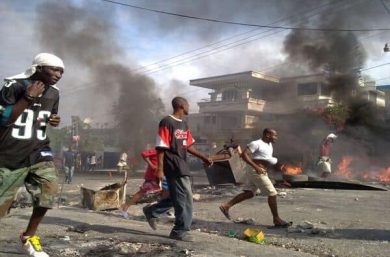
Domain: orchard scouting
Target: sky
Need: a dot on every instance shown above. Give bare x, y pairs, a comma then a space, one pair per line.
108, 46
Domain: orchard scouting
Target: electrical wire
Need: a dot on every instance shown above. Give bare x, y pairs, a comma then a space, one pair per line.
247, 24
236, 36
218, 49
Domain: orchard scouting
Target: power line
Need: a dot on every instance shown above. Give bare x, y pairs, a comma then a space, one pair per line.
247, 24
385, 6
373, 67
224, 47
75, 90
234, 36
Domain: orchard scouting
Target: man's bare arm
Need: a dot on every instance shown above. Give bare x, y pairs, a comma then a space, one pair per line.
160, 164
201, 156
246, 156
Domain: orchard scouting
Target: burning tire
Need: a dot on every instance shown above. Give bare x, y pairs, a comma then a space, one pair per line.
316, 179
295, 178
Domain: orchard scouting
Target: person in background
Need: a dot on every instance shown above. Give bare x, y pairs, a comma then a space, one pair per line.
69, 165
92, 162
151, 182
324, 163
122, 163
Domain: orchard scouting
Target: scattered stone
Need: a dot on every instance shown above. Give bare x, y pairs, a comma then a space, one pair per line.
196, 197
240, 220
78, 229
306, 225
65, 238
185, 251
69, 252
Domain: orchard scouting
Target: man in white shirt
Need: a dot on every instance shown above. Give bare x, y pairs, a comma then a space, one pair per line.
258, 155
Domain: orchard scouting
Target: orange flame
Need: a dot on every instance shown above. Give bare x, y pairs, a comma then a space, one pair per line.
385, 175
343, 169
293, 170
375, 173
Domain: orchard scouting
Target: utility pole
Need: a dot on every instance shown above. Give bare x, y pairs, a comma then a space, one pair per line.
75, 131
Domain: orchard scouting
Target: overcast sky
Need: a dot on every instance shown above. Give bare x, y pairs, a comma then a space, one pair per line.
88, 33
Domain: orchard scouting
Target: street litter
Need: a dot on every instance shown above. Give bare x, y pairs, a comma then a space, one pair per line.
254, 235
249, 221
232, 234
106, 198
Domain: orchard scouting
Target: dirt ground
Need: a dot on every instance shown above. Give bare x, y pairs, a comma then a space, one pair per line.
325, 223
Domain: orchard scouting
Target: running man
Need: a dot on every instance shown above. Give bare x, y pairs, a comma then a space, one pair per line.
151, 183
258, 155
30, 102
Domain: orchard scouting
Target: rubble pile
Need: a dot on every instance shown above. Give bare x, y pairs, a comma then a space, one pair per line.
111, 247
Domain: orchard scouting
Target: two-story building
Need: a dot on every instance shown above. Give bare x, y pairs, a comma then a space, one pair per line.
242, 102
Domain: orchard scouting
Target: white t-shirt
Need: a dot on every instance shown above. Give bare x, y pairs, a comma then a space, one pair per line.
262, 151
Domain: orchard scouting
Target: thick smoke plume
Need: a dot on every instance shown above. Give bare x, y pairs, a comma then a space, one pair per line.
340, 56
94, 63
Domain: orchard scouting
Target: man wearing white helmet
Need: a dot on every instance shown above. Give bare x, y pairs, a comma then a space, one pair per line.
29, 102
324, 162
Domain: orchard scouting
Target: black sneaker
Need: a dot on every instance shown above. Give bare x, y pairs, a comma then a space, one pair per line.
149, 218
186, 237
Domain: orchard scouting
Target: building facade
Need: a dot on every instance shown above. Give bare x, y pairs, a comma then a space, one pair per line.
240, 103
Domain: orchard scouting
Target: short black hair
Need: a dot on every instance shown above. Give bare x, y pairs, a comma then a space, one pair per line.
178, 101
267, 131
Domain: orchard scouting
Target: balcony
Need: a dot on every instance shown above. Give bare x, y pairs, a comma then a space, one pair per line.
239, 105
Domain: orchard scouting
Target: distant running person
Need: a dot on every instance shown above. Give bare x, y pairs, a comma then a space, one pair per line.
151, 183
29, 103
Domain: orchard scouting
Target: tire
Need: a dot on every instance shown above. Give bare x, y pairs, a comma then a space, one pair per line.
316, 179
295, 178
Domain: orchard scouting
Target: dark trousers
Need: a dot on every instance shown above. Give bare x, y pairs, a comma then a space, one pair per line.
181, 200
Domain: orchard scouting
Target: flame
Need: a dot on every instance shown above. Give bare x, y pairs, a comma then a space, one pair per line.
378, 174
375, 173
293, 170
385, 175
343, 169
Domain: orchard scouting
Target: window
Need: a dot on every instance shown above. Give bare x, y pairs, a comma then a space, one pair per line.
307, 89
229, 95
325, 90
210, 119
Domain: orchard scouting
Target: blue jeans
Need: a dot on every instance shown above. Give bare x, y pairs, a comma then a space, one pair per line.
181, 200
69, 173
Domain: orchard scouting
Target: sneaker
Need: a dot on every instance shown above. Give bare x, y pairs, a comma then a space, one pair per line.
186, 237
149, 218
32, 246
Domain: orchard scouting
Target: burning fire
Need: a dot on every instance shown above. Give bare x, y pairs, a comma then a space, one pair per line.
375, 173
293, 170
343, 169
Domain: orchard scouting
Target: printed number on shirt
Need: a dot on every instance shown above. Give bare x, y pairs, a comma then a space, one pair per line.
24, 125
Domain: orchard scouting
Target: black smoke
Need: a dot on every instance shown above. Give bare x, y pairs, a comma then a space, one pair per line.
96, 72
340, 56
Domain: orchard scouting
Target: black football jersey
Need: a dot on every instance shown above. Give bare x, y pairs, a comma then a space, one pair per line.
174, 137
25, 142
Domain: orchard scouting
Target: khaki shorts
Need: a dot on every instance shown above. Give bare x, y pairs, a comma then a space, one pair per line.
41, 181
255, 181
